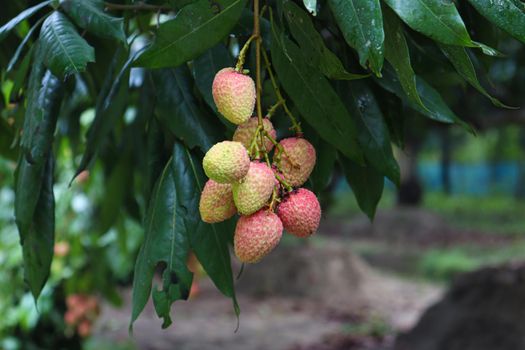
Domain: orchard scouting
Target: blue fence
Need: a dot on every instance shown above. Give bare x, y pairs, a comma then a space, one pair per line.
472, 179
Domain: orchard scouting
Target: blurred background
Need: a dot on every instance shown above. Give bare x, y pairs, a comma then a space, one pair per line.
441, 266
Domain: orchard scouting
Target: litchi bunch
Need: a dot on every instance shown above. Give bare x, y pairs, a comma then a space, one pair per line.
82, 310
255, 176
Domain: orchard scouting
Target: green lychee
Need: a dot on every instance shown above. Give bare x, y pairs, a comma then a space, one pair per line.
297, 161
216, 202
256, 235
254, 191
234, 95
226, 162
300, 213
245, 132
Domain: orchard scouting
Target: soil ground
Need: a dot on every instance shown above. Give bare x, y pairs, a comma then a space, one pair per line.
389, 305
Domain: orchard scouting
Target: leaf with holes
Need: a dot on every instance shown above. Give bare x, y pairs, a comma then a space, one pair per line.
172, 216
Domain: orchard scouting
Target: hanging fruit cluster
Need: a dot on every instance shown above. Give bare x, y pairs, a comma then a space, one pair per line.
254, 175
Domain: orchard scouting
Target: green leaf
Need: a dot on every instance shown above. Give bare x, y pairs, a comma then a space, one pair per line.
65, 51
437, 19
118, 183
312, 45
398, 55
206, 66
6, 28
436, 109
373, 134
177, 109
361, 23
110, 106
326, 156
20, 75
44, 98
460, 59
38, 240
90, 15
172, 216
210, 242
508, 15
196, 28
20, 47
314, 97
367, 184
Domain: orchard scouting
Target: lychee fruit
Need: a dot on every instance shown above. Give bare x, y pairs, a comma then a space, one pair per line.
297, 161
245, 133
257, 235
226, 162
300, 213
254, 191
216, 203
234, 95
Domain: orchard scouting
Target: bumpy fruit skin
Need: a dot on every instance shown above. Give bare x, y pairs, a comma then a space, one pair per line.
226, 162
297, 160
254, 191
257, 235
216, 203
300, 213
244, 133
234, 95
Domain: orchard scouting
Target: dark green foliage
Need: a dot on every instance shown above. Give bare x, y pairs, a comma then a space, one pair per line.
140, 85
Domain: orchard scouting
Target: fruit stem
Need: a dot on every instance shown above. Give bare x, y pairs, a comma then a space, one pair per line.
242, 54
284, 183
273, 108
280, 148
253, 143
274, 200
280, 99
258, 85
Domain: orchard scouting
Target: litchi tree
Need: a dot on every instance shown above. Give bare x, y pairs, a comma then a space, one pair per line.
217, 122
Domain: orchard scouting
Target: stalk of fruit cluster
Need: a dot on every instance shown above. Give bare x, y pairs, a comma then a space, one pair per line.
280, 99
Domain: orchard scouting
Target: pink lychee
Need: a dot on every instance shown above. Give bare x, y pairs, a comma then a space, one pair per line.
234, 95
297, 160
257, 235
300, 213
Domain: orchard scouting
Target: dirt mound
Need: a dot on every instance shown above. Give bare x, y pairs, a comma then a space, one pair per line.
330, 274
483, 310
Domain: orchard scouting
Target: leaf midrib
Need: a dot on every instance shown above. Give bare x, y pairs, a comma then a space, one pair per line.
52, 24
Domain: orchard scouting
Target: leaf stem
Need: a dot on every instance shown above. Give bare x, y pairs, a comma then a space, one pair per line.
280, 99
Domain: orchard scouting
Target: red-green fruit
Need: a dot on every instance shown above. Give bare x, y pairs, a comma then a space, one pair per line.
254, 191
234, 95
245, 132
216, 203
226, 162
300, 213
257, 235
297, 161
